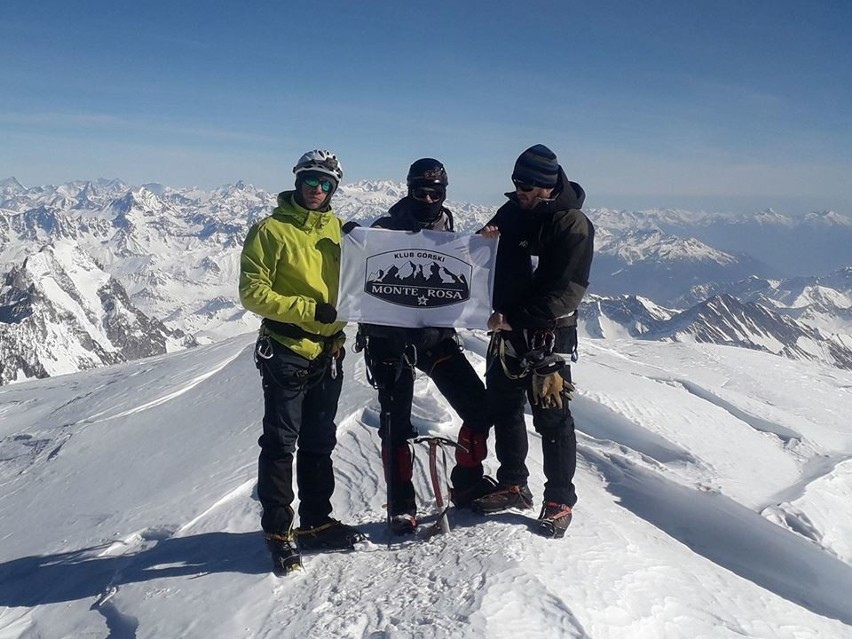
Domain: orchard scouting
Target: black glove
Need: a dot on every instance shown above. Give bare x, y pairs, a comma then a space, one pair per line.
348, 226
325, 313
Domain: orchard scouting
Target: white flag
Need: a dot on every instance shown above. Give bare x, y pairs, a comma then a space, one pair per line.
429, 278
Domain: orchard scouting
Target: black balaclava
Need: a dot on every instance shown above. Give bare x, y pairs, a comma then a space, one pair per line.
427, 173
426, 212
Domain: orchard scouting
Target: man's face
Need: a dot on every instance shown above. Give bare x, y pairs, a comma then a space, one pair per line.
314, 196
529, 196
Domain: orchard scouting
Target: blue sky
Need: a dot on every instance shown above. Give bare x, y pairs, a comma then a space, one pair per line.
721, 105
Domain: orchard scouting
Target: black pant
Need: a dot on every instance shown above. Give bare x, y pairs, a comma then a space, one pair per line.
506, 400
392, 364
300, 402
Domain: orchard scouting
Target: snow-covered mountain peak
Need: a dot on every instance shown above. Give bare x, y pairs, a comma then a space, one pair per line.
768, 217
237, 199
375, 187
60, 312
822, 297
655, 245
624, 316
828, 218
240, 186
156, 188
10, 187
65, 261
139, 199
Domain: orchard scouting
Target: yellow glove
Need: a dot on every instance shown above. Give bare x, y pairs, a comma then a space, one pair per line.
547, 390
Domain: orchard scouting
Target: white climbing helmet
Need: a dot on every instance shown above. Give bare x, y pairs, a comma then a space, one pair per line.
320, 161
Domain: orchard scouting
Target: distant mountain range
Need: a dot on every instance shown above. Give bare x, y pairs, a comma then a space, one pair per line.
813, 244
170, 260
663, 267
721, 319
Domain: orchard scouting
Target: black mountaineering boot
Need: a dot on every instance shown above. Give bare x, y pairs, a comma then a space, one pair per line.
462, 497
331, 535
286, 557
553, 520
403, 524
503, 497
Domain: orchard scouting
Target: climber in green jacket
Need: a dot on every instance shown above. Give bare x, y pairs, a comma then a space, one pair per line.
289, 273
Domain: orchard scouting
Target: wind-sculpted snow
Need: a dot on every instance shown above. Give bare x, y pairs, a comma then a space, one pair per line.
735, 538
815, 508
714, 489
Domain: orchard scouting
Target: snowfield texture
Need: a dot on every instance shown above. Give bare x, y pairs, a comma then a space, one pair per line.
714, 487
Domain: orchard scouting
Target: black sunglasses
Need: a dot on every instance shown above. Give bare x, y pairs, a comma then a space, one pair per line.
427, 195
523, 186
313, 183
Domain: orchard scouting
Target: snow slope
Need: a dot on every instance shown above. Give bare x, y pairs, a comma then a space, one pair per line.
714, 490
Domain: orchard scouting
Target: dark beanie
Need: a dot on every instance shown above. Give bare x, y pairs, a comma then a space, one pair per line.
537, 166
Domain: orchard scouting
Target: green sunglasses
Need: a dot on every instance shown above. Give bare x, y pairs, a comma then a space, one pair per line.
313, 183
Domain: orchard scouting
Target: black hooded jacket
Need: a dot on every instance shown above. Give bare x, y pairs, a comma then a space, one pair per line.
562, 237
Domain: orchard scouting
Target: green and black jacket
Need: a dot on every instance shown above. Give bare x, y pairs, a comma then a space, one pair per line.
290, 263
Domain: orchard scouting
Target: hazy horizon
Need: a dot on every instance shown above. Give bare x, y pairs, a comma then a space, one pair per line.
726, 106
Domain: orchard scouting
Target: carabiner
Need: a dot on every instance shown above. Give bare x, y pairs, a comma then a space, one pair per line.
264, 347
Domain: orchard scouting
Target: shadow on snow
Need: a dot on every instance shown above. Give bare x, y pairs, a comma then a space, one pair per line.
30, 581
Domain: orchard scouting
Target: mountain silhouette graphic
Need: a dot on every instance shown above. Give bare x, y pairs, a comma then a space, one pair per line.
430, 274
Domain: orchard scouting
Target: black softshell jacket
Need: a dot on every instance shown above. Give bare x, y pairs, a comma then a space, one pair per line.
562, 237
